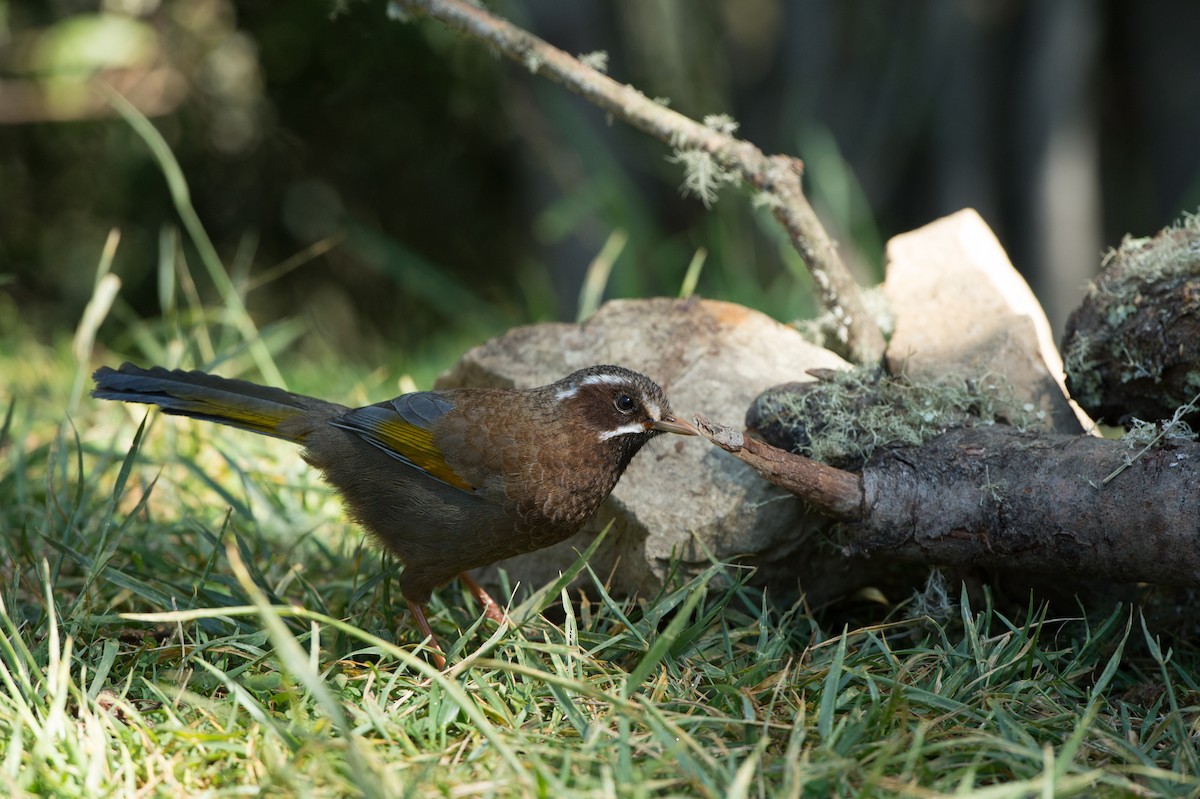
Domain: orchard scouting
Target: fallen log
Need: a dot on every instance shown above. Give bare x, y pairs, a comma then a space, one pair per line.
996, 497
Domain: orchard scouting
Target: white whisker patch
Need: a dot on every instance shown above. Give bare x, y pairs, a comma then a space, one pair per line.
624, 430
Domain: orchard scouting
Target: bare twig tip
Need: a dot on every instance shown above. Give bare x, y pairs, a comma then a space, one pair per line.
726, 438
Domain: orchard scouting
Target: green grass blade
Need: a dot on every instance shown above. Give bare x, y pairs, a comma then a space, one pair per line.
662, 644
598, 271
829, 691
181, 195
692, 277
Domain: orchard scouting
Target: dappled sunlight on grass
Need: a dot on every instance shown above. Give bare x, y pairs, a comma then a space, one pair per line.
278, 654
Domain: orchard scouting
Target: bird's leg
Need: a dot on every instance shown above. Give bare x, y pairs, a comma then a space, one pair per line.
418, 613
490, 608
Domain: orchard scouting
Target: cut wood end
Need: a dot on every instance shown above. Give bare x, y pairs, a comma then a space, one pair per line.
724, 437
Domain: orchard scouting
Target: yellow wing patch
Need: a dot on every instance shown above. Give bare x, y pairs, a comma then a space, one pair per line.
246, 418
415, 445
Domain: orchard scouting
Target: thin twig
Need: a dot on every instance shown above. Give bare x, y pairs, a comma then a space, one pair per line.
835, 493
777, 175
1166, 428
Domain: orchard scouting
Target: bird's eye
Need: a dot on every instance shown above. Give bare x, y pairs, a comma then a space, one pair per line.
624, 403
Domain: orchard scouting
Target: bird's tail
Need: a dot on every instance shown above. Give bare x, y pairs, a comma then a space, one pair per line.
237, 403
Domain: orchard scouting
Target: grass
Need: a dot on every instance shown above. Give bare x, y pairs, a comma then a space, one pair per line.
185, 611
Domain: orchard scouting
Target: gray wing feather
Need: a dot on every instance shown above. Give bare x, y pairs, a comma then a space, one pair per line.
421, 408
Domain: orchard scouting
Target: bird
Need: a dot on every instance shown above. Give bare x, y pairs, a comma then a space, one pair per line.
450, 479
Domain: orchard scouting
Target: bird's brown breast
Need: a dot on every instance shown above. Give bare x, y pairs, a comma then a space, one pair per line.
543, 464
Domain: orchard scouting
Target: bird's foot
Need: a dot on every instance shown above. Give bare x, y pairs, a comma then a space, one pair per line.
435, 649
490, 607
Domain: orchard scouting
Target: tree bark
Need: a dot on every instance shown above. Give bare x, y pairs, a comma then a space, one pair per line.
995, 497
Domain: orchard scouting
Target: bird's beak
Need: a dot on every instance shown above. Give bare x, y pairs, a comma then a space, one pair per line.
673, 424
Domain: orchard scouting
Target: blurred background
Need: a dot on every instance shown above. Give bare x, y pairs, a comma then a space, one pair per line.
405, 194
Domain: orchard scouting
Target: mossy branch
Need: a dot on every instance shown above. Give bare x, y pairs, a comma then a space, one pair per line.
776, 175
995, 497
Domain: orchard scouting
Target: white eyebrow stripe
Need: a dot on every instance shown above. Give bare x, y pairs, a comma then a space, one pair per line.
623, 430
599, 379
603, 378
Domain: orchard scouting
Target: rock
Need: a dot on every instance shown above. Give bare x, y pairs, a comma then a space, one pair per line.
680, 498
961, 308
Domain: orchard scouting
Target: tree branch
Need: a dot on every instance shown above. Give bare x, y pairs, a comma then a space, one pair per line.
832, 492
995, 497
777, 175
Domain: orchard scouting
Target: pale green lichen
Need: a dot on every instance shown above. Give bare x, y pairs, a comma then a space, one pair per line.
877, 306
702, 175
597, 60
934, 601
848, 415
765, 199
533, 61
1145, 436
703, 172
828, 330
721, 123
995, 490
1118, 313
1082, 370
1173, 253
1150, 434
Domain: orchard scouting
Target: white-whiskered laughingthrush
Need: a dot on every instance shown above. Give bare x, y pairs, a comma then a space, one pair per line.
447, 480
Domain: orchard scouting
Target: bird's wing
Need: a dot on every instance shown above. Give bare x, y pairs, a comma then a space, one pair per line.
402, 428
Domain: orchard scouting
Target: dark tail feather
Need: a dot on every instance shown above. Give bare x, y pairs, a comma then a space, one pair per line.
238, 403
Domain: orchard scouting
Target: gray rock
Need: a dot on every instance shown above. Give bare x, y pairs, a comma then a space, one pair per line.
960, 307
680, 498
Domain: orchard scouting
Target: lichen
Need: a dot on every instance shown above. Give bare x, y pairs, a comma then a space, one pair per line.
829, 329
1174, 252
533, 60
1158, 433
721, 123
934, 600
597, 60
704, 173
1144, 436
847, 416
